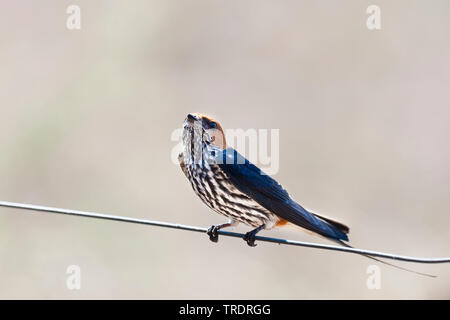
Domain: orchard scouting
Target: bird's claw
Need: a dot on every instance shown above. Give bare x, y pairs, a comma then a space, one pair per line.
212, 233
250, 238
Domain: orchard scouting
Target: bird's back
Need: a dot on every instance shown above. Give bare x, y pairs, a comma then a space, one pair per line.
251, 181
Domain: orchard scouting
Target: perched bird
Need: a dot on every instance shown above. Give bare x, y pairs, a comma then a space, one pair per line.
232, 186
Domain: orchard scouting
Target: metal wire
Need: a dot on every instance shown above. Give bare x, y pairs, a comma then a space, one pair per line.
221, 232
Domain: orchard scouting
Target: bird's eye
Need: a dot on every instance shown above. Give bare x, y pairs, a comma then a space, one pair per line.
212, 124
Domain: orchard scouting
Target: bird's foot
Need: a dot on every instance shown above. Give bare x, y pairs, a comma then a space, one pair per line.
250, 238
212, 233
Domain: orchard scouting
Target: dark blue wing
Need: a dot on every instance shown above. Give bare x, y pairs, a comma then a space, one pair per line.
250, 180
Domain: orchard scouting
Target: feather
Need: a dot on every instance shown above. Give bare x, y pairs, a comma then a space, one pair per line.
250, 180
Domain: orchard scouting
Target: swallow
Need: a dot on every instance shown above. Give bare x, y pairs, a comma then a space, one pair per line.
232, 186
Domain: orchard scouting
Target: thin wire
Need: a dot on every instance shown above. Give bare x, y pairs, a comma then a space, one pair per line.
221, 232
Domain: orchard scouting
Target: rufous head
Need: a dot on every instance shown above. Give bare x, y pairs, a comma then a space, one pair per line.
211, 131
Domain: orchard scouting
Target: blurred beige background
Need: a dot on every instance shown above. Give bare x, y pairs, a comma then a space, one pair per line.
86, 119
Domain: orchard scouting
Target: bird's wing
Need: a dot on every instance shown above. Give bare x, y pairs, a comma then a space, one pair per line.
250, 180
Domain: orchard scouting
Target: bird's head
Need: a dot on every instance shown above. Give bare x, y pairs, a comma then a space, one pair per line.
202, 129
203, 137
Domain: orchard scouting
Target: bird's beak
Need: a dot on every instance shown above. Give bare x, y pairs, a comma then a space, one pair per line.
191, 118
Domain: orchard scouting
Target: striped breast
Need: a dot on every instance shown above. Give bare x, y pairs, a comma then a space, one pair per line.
213, 187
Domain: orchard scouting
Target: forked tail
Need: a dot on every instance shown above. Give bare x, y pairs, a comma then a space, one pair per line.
384, 262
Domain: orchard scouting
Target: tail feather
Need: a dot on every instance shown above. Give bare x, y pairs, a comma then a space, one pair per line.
345, 230
384, 262
338, 225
